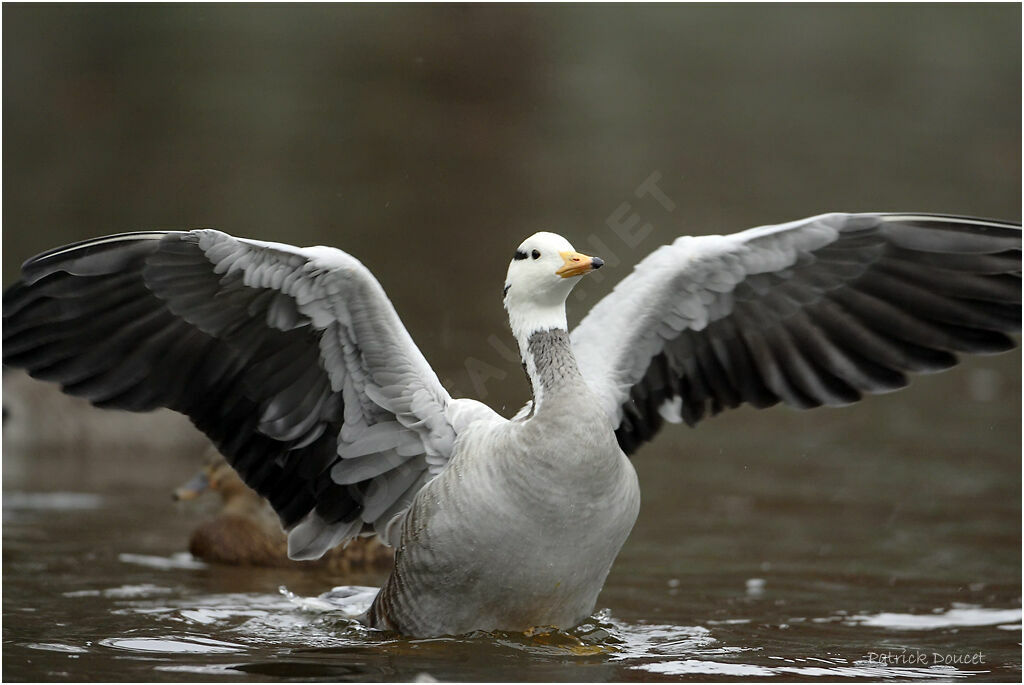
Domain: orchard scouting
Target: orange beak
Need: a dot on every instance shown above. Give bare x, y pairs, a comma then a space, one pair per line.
577, 264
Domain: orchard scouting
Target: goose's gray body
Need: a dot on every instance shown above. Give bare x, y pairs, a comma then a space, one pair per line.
522, 527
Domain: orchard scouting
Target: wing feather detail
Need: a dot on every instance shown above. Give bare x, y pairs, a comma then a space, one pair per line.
292, 360
810, 313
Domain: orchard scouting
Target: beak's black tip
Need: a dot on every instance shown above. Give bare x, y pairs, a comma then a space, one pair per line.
597, 262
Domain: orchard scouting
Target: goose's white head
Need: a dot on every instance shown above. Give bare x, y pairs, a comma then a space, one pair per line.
540, 277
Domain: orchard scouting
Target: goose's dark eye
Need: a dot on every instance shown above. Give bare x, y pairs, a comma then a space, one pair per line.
520, 255
536, 254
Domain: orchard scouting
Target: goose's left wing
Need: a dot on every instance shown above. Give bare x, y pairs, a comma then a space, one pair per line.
809, 313
292, 360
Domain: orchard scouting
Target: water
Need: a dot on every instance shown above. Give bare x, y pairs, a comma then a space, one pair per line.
856, 547
428, 141
76, 607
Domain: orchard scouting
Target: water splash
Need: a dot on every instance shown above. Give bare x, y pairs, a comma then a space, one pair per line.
286, 633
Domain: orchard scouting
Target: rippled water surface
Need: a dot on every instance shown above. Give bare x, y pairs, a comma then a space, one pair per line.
75, 607
835, 555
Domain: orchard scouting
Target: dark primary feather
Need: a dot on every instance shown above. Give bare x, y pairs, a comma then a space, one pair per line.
889, 295
140, 321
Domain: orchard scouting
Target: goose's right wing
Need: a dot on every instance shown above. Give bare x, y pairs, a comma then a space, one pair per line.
809, 313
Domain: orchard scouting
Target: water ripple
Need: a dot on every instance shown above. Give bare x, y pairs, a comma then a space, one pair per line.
960, 616
316, 637
173, 644
857, 670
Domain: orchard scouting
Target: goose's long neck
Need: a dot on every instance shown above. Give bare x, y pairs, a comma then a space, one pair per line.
550, 363
547, 354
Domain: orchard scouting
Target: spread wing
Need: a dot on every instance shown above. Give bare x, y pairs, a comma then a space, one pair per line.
810, 313
292, 360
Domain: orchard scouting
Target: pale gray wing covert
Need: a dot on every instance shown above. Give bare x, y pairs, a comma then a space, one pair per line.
293, 361
810, 313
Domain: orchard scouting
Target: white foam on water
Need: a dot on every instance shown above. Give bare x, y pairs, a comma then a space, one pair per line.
961, 616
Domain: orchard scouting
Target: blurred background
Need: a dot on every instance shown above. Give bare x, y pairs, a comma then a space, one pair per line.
429, 140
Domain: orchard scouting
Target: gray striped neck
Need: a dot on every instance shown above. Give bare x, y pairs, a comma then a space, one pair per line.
550, 363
